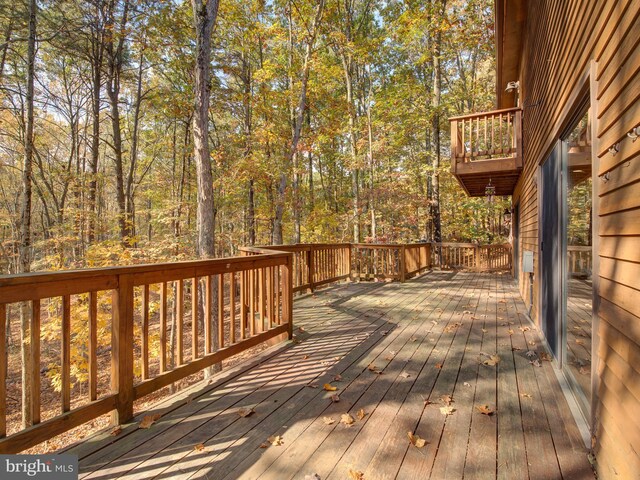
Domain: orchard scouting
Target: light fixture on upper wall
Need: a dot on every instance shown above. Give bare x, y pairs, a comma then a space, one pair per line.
506, 217
511, 86
490, 191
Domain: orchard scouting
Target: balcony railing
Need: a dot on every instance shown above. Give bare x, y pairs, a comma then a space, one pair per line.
487, 146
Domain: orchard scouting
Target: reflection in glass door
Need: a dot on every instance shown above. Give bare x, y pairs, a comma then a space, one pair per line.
577, 243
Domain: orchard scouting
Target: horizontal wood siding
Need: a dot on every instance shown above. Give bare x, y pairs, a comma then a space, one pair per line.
561, 40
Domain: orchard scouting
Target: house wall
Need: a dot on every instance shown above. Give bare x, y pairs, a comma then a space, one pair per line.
569, 45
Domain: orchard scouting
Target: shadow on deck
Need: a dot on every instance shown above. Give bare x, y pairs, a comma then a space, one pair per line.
400, 350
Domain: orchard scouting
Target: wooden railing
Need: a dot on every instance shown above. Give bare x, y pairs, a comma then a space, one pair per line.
316, 264
390, 261
218, 308
470, 256
486, 136
579, 260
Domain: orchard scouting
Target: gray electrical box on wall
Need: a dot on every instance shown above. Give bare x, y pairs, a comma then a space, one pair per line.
527, 261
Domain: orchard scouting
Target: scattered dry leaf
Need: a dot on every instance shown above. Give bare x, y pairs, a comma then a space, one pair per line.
245, 412
335, 398
439, 366
413, 339
329, 388
311, 385
275, 440
337, 378
545, 356
525, 329
452, 327
372, 368
447, 410
315, 476
485, 409
446, 399
492, 361
305, 357
356, 475
466, 384
579, 341
585, 371
116, 431
361, 414
535, 363
405, 375
416, 441
532, 343
301, 329
484, 330
510, 331
264, 445
328, 420
384, 332
149, 420
347, 419
198, 447
525, 395
530, 354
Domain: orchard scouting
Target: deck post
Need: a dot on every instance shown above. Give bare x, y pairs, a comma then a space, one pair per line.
122, 350
311, 267
403, 263
287, 295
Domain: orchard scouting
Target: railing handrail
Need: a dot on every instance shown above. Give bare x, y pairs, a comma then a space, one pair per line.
484, 114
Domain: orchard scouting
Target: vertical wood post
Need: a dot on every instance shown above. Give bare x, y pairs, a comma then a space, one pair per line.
350, 260
454, 145
3, 370
122, 350
312, 267
403, 264
287, 295
35, 361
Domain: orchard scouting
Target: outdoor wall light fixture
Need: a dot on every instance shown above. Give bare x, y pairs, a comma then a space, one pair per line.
634, 133
506, 216
490, 191
511, 86
615, 148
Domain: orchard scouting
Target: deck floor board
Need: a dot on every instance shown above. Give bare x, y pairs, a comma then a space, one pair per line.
428, 337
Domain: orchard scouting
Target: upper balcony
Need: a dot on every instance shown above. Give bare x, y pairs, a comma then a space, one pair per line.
487, 148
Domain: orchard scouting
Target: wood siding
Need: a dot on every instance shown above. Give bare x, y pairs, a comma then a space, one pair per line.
595, 44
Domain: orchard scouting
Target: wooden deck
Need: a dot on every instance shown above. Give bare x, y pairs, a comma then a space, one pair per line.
400, 350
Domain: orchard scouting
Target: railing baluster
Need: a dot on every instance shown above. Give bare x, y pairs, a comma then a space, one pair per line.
145, 332
220, 310
180, 320
208, 312
163, 327
252, 297
194, 318
93, 346
232, 308
35, 360
3, 370
122, 349
66, 354
243, 305
262, 298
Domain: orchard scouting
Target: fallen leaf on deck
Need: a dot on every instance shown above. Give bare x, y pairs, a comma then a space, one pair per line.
485, 409
515, 349
416, 441
356, 475
531, 354
116, 431
466, 384
384, 332
466, 312
492, 361
532, 343
264, 445
315, 476
510, 331
579, 341
337, 378
347, 419
335, 398
305, 357
439, 366
525, 329
361, 414
545, 356
446, 399
198, 447
413, 339
149, 420
245, 412
337, 358
452, 327
275, 440
447, 410
329, 388
484, 330
328, 420
585, 371
312, 385
372, 368
525, 395
535, 363
405, 375
388, 358
301, 329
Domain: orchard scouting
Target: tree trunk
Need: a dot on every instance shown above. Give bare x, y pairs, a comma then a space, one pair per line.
25, 219
437, 83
